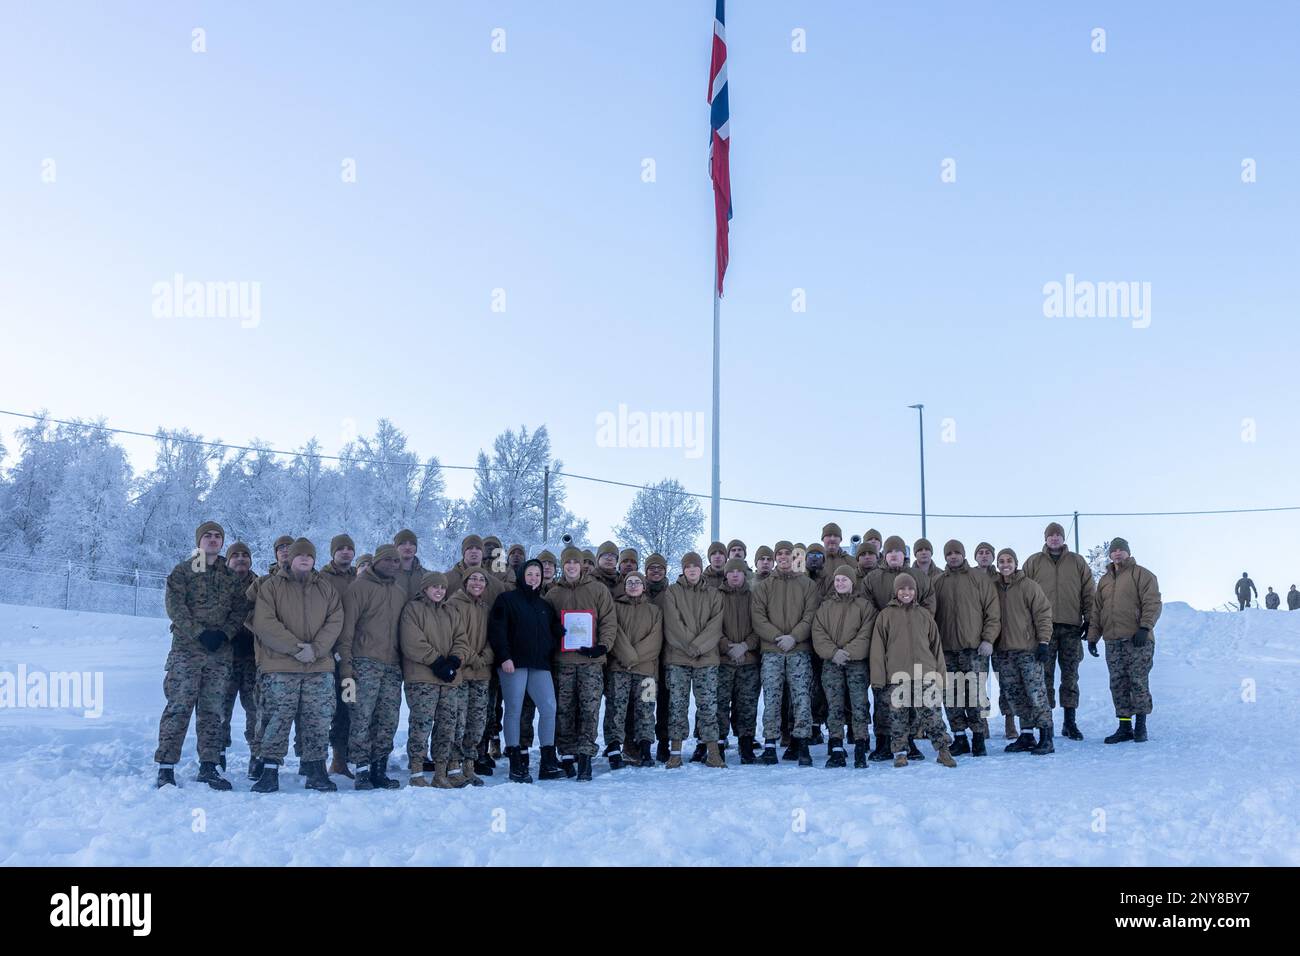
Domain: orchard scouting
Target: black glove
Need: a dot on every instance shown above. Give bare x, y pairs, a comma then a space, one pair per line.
1083, 629
1092, 649
1140, 638
444, 670
1040, 654
243, 642
593, 652
212, 638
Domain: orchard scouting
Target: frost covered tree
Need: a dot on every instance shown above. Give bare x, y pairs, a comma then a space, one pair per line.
663, 518
171, 499
389, 488
248, 497
510, 489
88, 512
1098, 558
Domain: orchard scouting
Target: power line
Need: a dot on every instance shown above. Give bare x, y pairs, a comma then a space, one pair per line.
164, 434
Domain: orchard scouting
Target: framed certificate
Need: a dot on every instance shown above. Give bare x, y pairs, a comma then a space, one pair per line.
579, 629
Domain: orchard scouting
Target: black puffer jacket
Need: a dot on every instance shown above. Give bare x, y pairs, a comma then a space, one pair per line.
522, 627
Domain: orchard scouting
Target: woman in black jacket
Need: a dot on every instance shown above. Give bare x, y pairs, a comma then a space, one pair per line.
524, 632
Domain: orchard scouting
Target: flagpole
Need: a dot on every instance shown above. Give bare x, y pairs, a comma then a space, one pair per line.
717, 339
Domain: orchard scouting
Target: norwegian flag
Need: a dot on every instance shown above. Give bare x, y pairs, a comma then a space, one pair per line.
720, 139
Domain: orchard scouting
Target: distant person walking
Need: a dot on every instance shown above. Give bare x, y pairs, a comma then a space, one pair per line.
1292, 599
1244, 588
1272, 600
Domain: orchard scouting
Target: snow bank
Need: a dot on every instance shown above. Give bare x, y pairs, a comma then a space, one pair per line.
1215, 785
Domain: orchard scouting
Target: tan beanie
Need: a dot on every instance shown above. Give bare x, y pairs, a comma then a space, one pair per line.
689, 558
832, 528
341, 541
405, 536
954, 545
300, 547
894, 543
204, 528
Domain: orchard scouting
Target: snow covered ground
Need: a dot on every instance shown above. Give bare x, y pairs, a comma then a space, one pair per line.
1215, 785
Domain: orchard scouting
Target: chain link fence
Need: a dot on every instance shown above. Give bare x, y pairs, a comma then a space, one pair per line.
80, 587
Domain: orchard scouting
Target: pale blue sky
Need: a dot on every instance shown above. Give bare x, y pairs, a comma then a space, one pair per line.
522, 171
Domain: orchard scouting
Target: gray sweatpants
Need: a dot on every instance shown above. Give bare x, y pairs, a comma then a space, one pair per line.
541, 689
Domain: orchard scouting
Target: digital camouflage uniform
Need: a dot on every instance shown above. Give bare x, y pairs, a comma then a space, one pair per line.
784, 602
1066, 580
908, 714
1021, 677
682, 680
577, 707
471, 718
196, 678
836, 679
738, 688
376, 711
1130, 676
626, 691
1127, 600
436, 709
242, 683
304, 699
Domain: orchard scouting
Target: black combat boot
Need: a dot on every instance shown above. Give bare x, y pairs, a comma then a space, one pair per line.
1022, 744
615, 754
549, 768
269, 781
746, 747
882, 751
959, 744
1140, 729
221, 762
647, 758
584, 768
1069, 727
428, 766
302, 766
483, 763
379, 777
700, 752
254, 769
208, 774
361, 780
859, 755
977, 745
317, 778
166, 777
1044, 745
791, 752
518, 772
801, 751
769, 753
569, 765
1125, 732
817, 737
835, 753
912, 752
661, 752
610, 748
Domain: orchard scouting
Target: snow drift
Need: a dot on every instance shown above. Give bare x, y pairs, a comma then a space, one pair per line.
1215, 785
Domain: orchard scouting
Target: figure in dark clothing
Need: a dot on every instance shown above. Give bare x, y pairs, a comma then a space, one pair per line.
1292, 599
1272, 600
1244, 588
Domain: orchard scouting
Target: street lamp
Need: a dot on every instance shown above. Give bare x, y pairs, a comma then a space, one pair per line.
920, 413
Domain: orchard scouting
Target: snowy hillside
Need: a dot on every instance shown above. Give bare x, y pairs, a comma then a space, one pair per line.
1215, 785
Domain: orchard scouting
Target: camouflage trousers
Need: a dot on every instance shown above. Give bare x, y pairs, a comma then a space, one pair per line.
682, 680
1021, 676
472, 718
342, 724
495, 707
910, 713
305, 699
1130, 673
738, 688
968, 674
793, 670
195, 683
1067, 647
376, 710
242, 683
835, 680
578, 689
635, 693
435, 708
